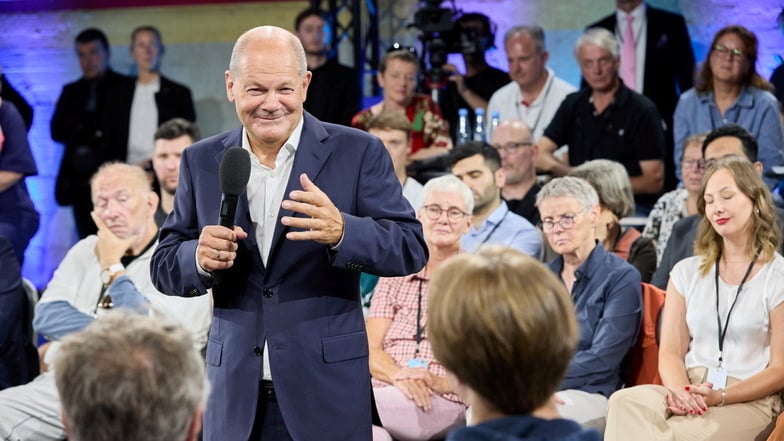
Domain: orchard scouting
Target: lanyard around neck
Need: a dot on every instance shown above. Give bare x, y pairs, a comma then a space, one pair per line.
419, 319
723, 331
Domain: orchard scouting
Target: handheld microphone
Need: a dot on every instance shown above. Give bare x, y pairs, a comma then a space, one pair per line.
234, 173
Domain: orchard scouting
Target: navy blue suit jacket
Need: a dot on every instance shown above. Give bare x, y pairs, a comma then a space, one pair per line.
305, 302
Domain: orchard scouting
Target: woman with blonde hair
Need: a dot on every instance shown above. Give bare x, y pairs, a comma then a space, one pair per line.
721, 356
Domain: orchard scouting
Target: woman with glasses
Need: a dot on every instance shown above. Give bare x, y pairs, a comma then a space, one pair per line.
397, 75
606, 292
730, 90
413, 397
616, 201
681, 202
721, 356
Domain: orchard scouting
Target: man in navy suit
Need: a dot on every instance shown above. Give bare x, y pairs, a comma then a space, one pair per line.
287, 354
664, 61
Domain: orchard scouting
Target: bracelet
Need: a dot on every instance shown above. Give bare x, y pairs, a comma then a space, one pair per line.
723, 398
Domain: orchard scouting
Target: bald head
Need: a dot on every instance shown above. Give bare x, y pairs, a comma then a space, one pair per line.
514, 142
517, 131
269, 38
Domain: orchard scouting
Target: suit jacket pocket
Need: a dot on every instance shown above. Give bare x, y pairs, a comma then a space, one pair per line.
345, 347
214, 352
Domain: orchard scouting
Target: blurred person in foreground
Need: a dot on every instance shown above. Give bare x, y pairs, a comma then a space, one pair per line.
722, 330
131, 377
506, 346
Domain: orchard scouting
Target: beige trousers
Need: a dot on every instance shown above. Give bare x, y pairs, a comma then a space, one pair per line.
640, 413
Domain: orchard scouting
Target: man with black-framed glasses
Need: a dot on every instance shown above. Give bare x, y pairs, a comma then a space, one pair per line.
514, 141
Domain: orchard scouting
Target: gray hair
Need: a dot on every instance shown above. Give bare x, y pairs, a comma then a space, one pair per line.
611, 182
450, 183
130, 377
569, 187
600, 37
268, 33
535, 32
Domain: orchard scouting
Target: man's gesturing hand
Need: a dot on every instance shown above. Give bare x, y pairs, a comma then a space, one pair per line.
323, 222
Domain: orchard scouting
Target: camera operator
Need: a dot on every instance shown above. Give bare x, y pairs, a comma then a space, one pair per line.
480, 81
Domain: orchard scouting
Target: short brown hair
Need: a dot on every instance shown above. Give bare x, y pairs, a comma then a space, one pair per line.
503, 324
390, 121
401, 54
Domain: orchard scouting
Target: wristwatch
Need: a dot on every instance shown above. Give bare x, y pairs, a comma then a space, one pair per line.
109, 274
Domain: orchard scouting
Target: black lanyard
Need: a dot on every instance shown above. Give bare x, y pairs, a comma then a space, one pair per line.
419, 319
723, 332
541, 110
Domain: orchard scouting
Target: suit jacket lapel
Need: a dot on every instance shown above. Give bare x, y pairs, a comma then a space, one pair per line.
310, 157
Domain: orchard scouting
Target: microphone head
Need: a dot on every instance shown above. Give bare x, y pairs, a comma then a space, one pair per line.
234, 171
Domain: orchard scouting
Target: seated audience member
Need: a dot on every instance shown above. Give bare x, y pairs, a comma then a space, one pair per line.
616, 201
607, 120
131, 377
730, 140
678, 203
607, 298
506, 346
18, 216
110, 270
334, 93
535, 93
171, 138
397, 75
18, 357
777, 80
143, 104
729, 91
478, 164
720, 365
414, 399
515, 145
394, 130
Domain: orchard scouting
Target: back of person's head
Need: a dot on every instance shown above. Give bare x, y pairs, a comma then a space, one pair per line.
611, 182
449, 183
176, 127
763, 229
747, 140
390, 121
599, 37
130, 377
307, 13
92, 34
504, 325
466, 150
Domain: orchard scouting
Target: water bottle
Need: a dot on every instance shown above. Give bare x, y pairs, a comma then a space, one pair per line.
463, 127
495, 119
479, 125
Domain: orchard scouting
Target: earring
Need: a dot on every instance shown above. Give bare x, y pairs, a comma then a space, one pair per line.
756, 210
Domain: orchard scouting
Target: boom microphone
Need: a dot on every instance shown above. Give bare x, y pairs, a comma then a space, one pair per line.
234, 173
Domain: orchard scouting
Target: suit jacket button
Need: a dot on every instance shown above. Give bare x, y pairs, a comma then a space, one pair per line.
257, 350
267, 293
194, 292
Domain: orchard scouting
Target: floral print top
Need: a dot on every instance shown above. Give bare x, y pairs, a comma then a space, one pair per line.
428, 127
670, 208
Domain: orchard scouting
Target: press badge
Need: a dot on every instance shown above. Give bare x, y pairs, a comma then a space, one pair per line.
417, 363
717, 376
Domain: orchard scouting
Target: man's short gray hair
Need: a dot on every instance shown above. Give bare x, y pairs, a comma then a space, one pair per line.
611, 182
453, 184
569, 187
535, 32
268, 32
130, 377
600, 37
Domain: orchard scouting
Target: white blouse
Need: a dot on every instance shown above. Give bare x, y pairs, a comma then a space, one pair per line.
747, 341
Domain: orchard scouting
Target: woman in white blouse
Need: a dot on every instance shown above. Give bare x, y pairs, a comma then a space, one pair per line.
681, 202
721, 357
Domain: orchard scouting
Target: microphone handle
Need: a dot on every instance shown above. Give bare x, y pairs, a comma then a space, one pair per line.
228, 210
